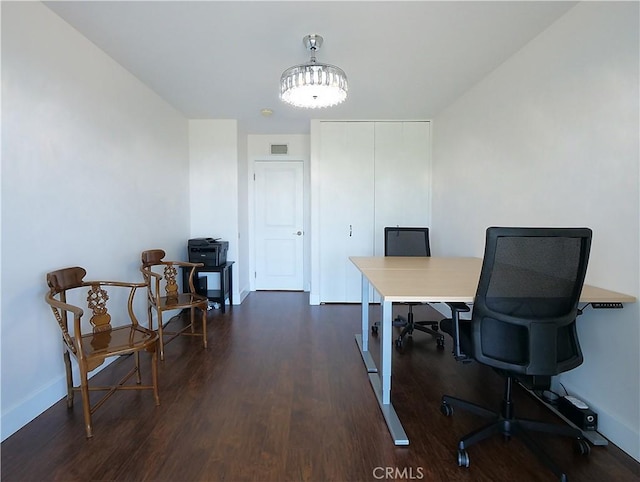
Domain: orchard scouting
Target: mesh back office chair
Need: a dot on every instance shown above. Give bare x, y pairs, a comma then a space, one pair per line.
410, 242
523, 324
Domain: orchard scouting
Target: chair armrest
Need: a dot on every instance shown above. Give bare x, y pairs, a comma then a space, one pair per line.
193, 266
60, 309
187, 264
121, 284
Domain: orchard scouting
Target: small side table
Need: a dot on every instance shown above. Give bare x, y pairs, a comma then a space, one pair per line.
226, 283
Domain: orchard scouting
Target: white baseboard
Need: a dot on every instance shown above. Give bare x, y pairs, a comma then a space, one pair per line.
21, 414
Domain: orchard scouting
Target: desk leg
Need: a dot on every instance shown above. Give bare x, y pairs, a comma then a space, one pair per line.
381, 382
362, 339
385, 352
223, 289
230, 285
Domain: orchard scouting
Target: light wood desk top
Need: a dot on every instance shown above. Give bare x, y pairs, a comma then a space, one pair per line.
442, 279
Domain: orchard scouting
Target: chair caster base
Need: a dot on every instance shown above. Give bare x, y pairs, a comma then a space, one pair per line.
463, 458
446, 409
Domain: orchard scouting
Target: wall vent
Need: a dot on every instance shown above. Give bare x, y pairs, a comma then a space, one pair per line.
279, 149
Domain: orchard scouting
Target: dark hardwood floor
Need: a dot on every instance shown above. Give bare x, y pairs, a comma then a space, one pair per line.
281, 394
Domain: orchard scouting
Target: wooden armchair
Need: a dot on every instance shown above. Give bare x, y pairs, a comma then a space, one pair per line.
91, 345
160, 275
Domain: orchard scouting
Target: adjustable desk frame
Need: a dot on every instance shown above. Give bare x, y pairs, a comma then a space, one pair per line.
425, 280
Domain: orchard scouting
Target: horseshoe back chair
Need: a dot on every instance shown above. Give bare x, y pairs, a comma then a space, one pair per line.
163, 295
92, 342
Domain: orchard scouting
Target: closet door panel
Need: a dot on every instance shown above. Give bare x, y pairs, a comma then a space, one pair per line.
346, 200
402, 180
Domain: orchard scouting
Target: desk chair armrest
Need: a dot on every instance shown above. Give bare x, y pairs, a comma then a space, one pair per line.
456, 309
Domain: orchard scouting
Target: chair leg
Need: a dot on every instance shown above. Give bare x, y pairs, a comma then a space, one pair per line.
469, 407
536, 426
540, 454
154, 375
86, 404
160, 336
481, 433
420, 326
408, 329
150, 316
136, 356
508, 425
67, 365
204, 327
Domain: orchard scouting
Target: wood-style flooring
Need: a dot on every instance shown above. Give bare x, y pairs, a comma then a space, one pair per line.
282, 394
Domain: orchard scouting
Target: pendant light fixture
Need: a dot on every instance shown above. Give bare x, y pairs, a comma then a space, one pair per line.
313, 85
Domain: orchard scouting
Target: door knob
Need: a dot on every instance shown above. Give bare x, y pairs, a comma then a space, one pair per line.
299, 233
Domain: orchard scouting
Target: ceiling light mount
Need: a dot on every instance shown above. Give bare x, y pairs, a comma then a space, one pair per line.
313, 85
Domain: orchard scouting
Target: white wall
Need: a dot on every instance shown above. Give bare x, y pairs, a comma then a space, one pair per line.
213, 153
259, 149
94, 170
551, 138
242, 278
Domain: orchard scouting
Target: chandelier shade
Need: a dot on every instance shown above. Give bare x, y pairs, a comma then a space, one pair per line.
313, 85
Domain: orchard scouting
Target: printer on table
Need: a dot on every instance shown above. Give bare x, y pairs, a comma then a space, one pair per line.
210, 251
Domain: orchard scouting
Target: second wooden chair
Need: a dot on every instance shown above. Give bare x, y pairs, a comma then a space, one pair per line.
164, 295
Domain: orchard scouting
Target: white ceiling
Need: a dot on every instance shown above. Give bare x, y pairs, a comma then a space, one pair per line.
223, 60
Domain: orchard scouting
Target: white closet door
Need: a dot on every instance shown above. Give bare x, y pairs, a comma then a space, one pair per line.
346, 206
402, 177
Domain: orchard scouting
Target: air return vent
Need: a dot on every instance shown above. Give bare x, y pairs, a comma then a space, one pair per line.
279, 149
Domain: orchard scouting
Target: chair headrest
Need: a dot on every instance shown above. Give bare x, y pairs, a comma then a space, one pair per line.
65, 278
152, 256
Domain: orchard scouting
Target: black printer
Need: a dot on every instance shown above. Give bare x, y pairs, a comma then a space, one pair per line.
210, 251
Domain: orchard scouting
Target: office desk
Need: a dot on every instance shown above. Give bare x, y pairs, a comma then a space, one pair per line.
431, 280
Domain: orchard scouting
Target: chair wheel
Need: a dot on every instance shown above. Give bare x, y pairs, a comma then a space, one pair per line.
446, 409
583, 447
399, 343
463, 458
374, 329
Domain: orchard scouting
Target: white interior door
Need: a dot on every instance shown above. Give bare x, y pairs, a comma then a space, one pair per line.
278, 197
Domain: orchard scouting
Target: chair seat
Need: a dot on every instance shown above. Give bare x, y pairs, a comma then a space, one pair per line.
117, 341
184, 300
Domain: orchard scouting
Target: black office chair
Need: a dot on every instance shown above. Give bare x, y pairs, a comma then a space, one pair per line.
523, 325
410, 242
